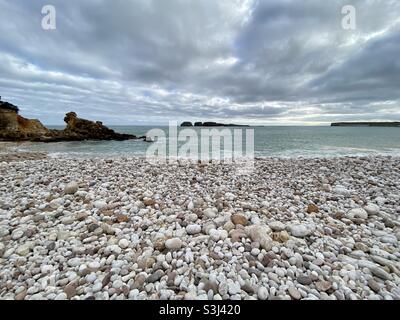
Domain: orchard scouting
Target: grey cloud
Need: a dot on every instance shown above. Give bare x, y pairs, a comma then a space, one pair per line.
152, 61
371, 73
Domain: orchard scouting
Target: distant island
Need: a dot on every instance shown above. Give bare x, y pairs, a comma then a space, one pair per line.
210, 124
366, 124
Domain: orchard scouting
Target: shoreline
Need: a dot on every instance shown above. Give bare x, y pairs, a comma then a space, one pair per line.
9, 151
123, 229
15, 156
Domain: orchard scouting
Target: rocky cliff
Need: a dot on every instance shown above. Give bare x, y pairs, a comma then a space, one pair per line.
366, 124
82, 129
13, 127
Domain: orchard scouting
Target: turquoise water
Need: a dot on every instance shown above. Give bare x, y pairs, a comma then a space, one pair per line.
268, 142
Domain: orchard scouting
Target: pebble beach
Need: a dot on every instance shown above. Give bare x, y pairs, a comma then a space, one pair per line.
121, 228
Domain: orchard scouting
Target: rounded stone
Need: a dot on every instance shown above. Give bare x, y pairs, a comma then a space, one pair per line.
100, 204
323, 286
24, 249
61, 296
71, 188
301, 230
97, 287
239, 219
294, 293
372, 209
17, 234
123, 243
277, 226
312, 208
304, 280
210, 213
262, 293
193, 229
117, 284
173, 244
357, 213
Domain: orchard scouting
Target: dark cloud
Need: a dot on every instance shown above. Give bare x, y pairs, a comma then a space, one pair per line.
150, 61
372, 73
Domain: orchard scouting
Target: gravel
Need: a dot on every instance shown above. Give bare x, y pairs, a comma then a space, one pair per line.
122, 228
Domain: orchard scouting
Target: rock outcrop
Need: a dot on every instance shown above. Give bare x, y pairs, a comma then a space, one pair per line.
81, 129
13, 127
187, 124
210, 124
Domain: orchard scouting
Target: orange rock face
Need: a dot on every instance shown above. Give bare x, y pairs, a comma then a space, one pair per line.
14, 127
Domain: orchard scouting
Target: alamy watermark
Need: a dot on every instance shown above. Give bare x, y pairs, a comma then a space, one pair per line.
49, 20
223, 145
349, 20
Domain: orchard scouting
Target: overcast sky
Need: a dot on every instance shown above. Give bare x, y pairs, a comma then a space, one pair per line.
147, 62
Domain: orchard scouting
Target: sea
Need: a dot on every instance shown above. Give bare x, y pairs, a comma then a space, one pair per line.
272, 141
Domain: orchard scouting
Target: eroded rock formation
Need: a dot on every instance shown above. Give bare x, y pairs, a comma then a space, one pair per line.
13, 127
82, 129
